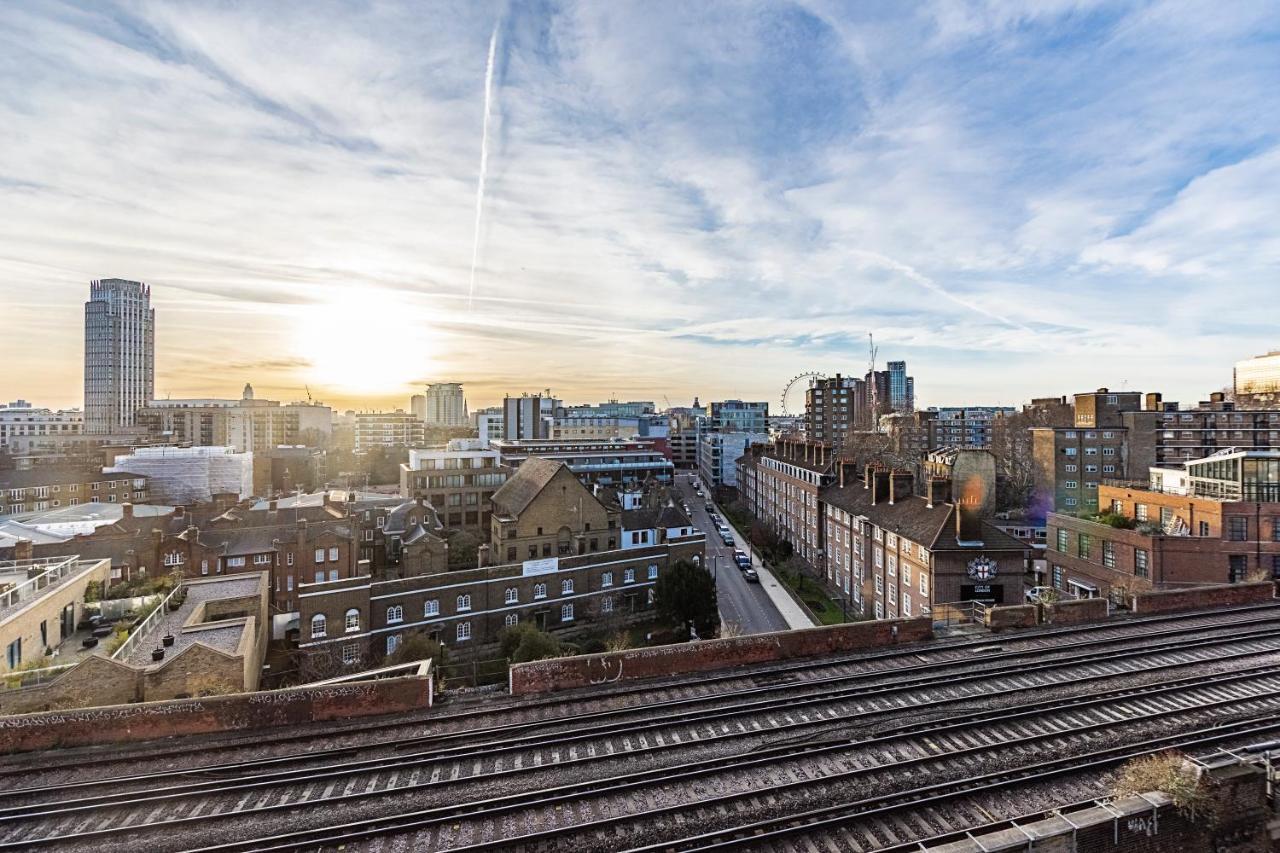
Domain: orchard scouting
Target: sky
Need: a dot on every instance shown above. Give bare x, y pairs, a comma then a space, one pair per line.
1018, 199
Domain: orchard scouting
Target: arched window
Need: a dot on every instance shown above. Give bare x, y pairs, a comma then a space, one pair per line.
539, 590
464, 603
512, 595
566, 587
431, 607
395, 613
352, 620
318, 626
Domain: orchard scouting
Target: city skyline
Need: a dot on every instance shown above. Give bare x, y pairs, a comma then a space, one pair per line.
720, 197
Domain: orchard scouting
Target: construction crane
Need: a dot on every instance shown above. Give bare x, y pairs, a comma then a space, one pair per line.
871, 380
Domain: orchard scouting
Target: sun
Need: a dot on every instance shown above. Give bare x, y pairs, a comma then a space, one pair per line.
367, 341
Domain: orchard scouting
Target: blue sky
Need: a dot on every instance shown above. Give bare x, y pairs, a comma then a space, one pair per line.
682, 198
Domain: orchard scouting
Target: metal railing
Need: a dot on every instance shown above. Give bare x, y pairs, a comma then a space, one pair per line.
959, 613
145, 627
20, 678
28, 590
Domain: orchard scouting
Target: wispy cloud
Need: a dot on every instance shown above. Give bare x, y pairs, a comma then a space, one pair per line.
704, 201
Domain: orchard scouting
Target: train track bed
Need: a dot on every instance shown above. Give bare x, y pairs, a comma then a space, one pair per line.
320, 744
755, 758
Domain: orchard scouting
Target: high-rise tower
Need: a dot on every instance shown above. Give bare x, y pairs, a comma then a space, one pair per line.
119, 353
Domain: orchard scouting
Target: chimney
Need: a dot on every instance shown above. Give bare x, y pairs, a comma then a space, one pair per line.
1153, 401
273, 504
968, 525
1217, 397
24, 549
127, 510
868, 475
881, 480
179, 511
938, 491
326, 499
899, 485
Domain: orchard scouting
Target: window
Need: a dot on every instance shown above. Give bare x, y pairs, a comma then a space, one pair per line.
320, 576
893, 566
463, 632
566, 613
333, 574
174, 558
350, 653
382, 521
204, 567
1236, 567
1082, 547
235, 562
431, 607
1091, 451
319, 626
566, 587
1062, 540
1238, 528
289, 583
1117, 507
395, 613
333, 555
288, 559
1275, 529
1071, 502
1069, 451
1108, 469
879, 610
606, 579
1071, 469
393, 643
511, 595
464, 603
262, 559
1057, 577
906, 604
879, 585
628, 575
319, 555
539, 590
1071, 484
653, 572
1140, 512
511, 619
1108, 553
1204, 528
924, 585
352, 621
1141, 561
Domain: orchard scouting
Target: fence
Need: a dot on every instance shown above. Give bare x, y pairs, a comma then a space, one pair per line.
19, 678
959, 613
52, 572
476, 673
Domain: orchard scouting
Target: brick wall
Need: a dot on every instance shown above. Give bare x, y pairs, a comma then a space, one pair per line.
1012, 616
1074, 611
210, 715
664, 661
1199, 598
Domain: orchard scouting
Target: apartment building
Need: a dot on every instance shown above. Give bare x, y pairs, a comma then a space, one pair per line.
247, 424
559, 564
1071, 462
832, 409
970, 426
1164, 434
388, 429
739, 416
119, 354
457, 480
896, 554
1257, 381
1215, 520
528, 417
718, 455
784, 491
48, 487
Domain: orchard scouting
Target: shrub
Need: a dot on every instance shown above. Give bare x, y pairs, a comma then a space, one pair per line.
524, 642
1169, 772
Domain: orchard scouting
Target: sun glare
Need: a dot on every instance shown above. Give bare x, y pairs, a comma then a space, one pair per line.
355, 345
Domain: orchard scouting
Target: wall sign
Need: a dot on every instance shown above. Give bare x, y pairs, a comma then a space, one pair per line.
982, 569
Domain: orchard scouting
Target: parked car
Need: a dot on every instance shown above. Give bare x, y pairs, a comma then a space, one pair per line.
726, 537
743, 561
708, 506
750, 576
1042, 594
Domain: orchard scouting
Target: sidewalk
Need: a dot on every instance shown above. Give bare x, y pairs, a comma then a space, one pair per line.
791, 612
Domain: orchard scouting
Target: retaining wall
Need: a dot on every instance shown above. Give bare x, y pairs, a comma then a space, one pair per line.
214, 714
1012, 616
666, 661
1203, 597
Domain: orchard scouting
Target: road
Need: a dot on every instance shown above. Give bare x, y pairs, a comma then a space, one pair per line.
742, 604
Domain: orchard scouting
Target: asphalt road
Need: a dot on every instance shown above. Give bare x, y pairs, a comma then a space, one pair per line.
743, 604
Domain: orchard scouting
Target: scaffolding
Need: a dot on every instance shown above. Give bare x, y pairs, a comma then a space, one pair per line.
188, 475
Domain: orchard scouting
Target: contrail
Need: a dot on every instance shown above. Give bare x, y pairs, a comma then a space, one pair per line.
484, 162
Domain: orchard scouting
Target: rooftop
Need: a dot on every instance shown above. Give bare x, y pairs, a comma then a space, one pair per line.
223, 634
23, 582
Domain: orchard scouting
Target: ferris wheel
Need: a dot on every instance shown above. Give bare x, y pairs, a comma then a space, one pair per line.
809, 377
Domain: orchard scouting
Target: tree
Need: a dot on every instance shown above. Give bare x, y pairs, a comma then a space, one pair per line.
685, 596
463, 549
1011, 442
524, 642
416, 646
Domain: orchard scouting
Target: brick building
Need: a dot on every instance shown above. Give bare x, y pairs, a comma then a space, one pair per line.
1071, 462
784, 491
555, 560
457, 480
49, 487
1223, 526
610, 462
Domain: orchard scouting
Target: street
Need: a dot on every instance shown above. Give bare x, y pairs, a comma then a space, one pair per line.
744, 605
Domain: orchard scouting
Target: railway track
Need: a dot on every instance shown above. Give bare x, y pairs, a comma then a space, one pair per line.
445, 772
1247, 622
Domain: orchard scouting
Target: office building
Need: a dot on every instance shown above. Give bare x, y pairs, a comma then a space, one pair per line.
528, 417
119, 354
250, 425
1210, 521
606, 462
26, 430
902, 388
718, 455
1257, 381
740, 416
488, 423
